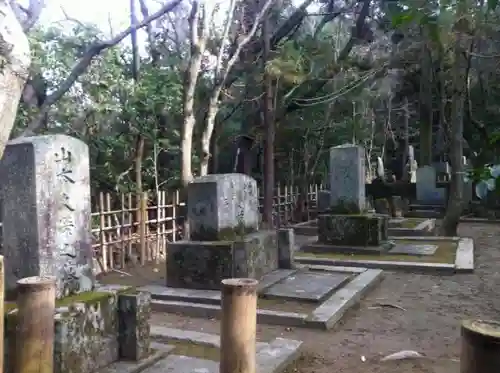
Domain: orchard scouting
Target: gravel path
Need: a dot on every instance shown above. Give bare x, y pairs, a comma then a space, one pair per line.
430, 322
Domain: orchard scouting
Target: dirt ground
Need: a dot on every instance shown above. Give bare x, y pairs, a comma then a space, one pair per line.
433, 307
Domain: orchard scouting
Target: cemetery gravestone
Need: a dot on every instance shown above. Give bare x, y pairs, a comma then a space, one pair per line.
427, 192
222, 207
45, 190
347, 178
224, 239
347, 223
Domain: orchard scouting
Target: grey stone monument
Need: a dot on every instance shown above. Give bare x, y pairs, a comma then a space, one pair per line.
427, 192
347, 178
225, 242
45, 188
222, 206
412, 164
347, 226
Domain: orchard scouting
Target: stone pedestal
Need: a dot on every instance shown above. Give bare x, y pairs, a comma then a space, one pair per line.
353, 230
204, 264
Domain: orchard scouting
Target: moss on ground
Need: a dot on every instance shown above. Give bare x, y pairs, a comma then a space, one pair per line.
445, 253
196, 350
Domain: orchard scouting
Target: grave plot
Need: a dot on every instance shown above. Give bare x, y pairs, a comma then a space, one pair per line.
441, 254
312, 296
397, 227
182, 351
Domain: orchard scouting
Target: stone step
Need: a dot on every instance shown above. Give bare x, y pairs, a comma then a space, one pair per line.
213, 311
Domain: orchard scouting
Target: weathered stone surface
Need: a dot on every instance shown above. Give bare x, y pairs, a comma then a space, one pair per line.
347, 179
256, 254
203, 265
308, 285
86, 331
427, 193
414, 249
134, 311
323, 203
286, 248
353, 230
222, 207
45, 189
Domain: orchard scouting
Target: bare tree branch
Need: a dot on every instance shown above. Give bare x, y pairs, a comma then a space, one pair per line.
28, 17
80, 67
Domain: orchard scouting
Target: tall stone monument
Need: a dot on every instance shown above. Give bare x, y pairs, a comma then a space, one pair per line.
45, 190
347, 178
347, 225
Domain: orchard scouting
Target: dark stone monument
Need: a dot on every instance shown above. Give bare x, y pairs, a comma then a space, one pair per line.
348, 226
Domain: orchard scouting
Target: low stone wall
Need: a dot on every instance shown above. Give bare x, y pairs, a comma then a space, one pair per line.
92, 330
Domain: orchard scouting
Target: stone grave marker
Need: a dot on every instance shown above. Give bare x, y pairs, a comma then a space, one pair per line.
427, 192
45, 188
222, 206
347, 178
412, 163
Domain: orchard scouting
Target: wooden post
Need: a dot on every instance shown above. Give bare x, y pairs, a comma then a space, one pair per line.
480, 347
2, 319
238, 325
35, 330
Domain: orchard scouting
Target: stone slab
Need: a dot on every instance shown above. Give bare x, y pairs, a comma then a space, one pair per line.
210, 296
166, 334
417, 249
183, 364
353, 284
160, 351
464, 260
411, 267
320, 248
210, 311
307, 285
270, 357
332, 310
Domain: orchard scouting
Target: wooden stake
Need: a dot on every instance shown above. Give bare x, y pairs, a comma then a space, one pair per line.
480, 347
35, 330
238, 325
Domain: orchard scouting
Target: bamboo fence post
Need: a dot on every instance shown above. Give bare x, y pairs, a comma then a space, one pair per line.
238, 325
102, 233
35, 329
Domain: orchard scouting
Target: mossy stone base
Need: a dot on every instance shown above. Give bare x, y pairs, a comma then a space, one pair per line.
353, 230
203, 265
88, 334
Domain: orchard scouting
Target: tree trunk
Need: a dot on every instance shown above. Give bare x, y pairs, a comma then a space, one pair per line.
206, 136
15, 61
455, 197
270, 129
425, 110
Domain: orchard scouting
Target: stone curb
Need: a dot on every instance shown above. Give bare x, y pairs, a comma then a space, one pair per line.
331, 311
